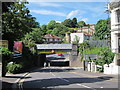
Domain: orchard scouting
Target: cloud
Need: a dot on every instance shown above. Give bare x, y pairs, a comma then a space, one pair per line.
58, 21
84, 19
49, 4
72, 13
48, 12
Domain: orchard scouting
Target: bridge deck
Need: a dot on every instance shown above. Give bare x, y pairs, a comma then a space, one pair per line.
54, 46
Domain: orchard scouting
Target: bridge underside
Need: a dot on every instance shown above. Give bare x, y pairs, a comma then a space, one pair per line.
44, 49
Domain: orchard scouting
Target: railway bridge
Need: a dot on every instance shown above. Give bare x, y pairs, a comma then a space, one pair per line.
44, 49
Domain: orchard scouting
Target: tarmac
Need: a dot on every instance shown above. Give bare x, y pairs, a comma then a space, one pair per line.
10, 80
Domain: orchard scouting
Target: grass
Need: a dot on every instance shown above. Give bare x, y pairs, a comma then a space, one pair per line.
93, 50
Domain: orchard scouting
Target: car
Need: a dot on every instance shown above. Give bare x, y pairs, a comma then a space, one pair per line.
61, 56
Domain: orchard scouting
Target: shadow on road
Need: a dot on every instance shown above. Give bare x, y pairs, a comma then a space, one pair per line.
15, 77
6, 85
54, 70
53, 82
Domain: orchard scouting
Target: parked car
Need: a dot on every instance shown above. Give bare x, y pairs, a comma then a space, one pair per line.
61, 56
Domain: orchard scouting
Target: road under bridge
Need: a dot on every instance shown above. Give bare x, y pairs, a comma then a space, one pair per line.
47, 49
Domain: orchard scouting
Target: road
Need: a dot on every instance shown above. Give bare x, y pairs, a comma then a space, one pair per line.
56, 60
65, 77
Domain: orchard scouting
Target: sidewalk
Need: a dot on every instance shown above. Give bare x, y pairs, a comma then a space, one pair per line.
10, 79
100, 75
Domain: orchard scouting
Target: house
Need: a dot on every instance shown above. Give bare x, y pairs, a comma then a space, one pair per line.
52, 39
86, 29
80, 36
114, 8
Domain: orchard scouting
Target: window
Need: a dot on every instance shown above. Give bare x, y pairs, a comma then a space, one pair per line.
56, 39
51, 39
46, 39
118, 15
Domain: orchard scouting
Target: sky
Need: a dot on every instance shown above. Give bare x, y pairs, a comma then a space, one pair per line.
90, 12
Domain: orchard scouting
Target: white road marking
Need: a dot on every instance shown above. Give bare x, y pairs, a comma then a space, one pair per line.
83, 85
69, 81
59, 77
53, 74
21, 81
64, 79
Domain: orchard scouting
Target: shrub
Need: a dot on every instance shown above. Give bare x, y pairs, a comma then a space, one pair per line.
106, 56
82, 47
14, 68
6, 57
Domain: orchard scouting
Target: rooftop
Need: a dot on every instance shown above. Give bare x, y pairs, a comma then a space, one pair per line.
51, 36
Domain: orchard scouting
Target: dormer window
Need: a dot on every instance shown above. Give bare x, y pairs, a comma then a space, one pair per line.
118, 15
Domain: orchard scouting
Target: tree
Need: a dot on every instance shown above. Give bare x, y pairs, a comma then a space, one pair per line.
67, 23
44, 29
51, 24
17, 22
36, 36
74, 22
59, 30
6, 5
81, 24
105, 57
101, 29
76, 40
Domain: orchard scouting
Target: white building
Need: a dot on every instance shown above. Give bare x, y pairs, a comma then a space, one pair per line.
114, 8
90, 30
81, 36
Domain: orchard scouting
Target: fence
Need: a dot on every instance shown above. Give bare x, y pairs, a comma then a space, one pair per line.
98, 43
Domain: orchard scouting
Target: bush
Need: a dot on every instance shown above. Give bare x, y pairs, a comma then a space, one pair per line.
82, 47
100, 69
6, 58
106, 56
14, 68
94, 50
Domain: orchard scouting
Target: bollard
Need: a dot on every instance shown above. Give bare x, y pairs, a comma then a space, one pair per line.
92, 67
89, 66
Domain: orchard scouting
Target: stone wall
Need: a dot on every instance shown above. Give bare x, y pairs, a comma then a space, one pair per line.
74, 58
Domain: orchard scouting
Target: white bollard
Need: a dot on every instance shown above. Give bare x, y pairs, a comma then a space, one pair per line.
92, 67
95, 68
89, 66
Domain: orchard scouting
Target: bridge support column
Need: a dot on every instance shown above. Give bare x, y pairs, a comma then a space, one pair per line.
75, 57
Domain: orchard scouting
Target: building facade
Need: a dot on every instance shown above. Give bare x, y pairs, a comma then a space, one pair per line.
52, 39
80, 36
90, 30
114, 67
114, 8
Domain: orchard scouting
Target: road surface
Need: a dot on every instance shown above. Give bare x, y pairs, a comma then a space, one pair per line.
65, 77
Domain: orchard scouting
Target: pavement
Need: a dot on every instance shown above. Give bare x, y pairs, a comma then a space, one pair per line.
10, 80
